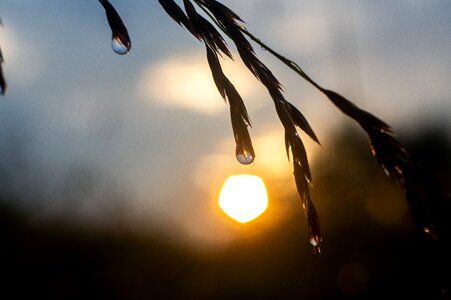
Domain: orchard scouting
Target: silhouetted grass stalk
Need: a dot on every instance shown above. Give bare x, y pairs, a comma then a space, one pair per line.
3, 85
428, 202
425, 199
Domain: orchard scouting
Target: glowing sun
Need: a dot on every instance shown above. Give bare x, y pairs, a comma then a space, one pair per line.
243, 197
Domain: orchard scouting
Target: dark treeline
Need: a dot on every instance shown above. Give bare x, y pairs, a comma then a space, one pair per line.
371, 248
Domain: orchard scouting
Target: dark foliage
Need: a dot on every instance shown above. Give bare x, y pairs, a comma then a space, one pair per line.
363, 258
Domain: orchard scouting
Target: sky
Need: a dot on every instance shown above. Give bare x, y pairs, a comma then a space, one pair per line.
145, 139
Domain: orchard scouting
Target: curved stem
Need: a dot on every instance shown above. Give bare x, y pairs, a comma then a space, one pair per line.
291, 64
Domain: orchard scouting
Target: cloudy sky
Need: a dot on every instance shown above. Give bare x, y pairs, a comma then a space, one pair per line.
146, 139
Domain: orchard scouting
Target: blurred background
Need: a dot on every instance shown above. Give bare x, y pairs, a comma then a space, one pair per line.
111, 166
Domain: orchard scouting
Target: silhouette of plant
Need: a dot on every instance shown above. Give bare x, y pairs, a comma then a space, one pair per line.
426, 199
3, 85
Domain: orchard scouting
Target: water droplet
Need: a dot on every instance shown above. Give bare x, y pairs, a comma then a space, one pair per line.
119, 47
386, 171
430, 230
315, 241
316, 250
244, 157
399, 170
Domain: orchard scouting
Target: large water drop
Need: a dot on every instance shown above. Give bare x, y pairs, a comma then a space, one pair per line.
244, 157
315, 243
120, 47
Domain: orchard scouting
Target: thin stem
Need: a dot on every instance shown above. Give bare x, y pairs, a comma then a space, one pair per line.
291, 64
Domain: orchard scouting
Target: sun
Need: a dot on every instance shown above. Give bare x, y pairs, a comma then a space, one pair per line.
243, 197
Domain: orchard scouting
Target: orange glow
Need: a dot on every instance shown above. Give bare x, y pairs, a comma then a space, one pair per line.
243, 197
185, 82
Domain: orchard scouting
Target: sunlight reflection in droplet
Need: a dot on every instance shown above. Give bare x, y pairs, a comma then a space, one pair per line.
244, 157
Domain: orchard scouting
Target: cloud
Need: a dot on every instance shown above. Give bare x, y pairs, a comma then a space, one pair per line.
185, 82
20, 67
301, 33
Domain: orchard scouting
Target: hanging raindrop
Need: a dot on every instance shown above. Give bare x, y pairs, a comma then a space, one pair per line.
119, 47
315, 241
431, 231
243, 156
386, 171
120, 41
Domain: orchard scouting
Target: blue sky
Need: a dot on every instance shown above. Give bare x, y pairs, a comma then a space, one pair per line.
145, 138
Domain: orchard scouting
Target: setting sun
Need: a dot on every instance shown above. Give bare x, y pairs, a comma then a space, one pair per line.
243, 197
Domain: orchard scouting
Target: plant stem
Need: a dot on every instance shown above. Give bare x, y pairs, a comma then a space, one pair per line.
291, 64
